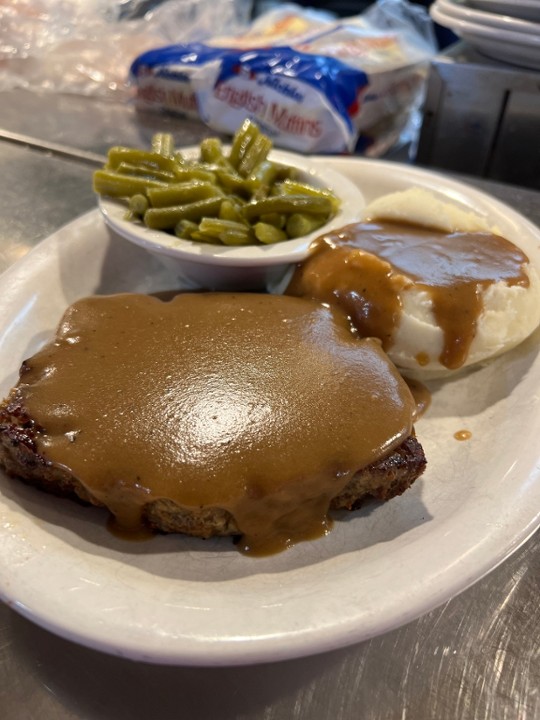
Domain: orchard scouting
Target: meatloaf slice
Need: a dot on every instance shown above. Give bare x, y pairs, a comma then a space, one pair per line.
19, 457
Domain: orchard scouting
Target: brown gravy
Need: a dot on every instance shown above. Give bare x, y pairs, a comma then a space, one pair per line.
421, 395
265, 406
363, 267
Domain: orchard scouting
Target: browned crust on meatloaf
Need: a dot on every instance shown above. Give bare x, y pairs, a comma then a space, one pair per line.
20, 458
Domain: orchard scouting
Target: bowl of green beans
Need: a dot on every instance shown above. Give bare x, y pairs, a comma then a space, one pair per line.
226, 217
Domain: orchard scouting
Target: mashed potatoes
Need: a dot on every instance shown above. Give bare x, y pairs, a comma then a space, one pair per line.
421, 207
509, 316
510, 313
439, 287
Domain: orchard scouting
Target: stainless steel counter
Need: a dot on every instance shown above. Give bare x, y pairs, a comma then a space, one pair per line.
477, 656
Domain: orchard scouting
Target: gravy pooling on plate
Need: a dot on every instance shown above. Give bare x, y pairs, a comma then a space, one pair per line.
265, 406
364, 268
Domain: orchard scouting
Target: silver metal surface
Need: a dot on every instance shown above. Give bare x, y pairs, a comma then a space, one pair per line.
89, 125
477, 657
39, 193
56, 149
482, 117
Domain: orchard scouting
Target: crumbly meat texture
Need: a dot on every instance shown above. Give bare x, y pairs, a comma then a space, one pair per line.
20, 458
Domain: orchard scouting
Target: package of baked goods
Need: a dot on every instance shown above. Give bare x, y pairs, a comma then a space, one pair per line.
312, 84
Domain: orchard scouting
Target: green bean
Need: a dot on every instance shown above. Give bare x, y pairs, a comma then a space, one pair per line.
276, 219
232, 237
212, 151
187, 174
167, 218
231, 211
163, 144
117, 155
185, 228
232, 182
260, 193
268, 234
287, 204
114, 184
228, 232
145, 171
216, 226
241, 142
138, 205
203, 237
299, 224
255, 153
294, 187
211, 167
265, 173
284, 172
182, 193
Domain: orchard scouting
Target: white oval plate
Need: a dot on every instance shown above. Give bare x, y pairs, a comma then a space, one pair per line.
179, 600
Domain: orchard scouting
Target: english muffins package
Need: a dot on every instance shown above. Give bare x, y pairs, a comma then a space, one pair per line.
312, 84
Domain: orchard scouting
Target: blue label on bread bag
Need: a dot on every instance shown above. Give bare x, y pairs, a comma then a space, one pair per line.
164, 77
278, 68
305, 102
163, 59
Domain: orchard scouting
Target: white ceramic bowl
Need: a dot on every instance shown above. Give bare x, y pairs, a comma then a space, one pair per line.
252, 267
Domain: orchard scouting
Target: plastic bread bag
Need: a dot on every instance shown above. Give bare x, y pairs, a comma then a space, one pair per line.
86, 47
175, 77
312, 84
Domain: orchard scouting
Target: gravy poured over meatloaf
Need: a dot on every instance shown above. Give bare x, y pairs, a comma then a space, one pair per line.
256, 407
